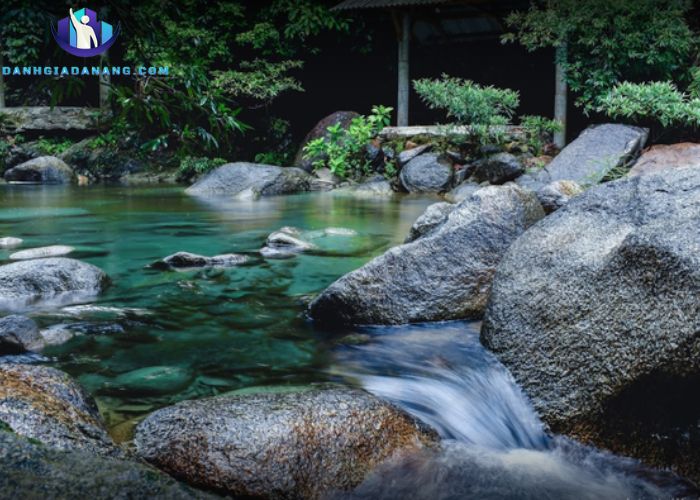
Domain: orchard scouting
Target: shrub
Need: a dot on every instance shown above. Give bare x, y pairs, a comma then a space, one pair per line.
343, 151
660, 102
538, 131
192, 167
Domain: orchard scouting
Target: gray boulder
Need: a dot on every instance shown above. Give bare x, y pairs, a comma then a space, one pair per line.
433, 217
30, 470
409, 154
45, 404
444, 275
41, 170
187, 260
284, 243
498, 169
556, 194
462, 192
278, 445
65, 280
262, 180
599, 150
19, 334
595, 311
427, 173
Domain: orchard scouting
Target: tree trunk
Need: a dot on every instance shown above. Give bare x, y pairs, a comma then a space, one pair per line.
404, 73
105, 84
560, 97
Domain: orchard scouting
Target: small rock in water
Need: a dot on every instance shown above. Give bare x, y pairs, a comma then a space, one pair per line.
19, 334
186, 260
42, 252
152, 380
340, 231
57, 334
10, 242
285, 243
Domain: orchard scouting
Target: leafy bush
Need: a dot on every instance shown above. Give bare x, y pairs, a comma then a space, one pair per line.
660, 102
538, 131
467, 102
192, 167
343, 151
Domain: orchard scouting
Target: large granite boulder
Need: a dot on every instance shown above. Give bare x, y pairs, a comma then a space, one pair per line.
343, 118
19, 334
45, 404
31, 470
595, 311
259, 180
60, 279
41, 170
278, 445
427, 173
662, 157
443, 275
599, 150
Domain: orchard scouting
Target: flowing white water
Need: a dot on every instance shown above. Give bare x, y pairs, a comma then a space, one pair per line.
494, 445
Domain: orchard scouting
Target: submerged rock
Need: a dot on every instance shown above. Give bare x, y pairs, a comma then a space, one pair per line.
278, 445
433, 216
10, 242
151, 381
595, 311
599, 150
42, 252
262, 180
19, 334
41, 170
498, 169
427, 173
285, 243
45, 404
56, 278
31, 470
444, 275
556, 194
186, 260
662, 157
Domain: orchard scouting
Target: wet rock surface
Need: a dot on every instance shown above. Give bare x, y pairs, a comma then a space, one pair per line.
59, 278
45, 404
261, 180
278, 445
30, 470
443, 275
19, 334
187, 260
595, 311
41, 170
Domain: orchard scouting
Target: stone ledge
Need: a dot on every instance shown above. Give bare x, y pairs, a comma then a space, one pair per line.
41, 118
390, 133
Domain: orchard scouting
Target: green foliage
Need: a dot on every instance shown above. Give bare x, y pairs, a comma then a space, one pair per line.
53, 146
23, 33
261, 80
467, 102
660, 102
538, 131
608, 42
192, 167
343, 151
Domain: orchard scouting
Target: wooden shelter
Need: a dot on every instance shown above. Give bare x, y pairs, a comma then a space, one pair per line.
482, 15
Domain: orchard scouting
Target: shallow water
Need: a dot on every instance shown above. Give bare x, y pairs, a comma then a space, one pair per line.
156, 338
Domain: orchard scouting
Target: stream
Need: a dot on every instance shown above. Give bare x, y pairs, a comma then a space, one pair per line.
156, 338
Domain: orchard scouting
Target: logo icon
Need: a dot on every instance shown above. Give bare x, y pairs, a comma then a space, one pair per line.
82, 35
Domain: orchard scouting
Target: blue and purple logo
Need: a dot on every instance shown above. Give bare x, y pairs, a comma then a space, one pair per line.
82, 35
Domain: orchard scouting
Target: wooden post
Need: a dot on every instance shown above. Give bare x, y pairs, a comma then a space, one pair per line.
560, 96
2, 82
404, 71
105, 84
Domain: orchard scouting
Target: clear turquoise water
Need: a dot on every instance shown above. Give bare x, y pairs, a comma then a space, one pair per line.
195, 333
